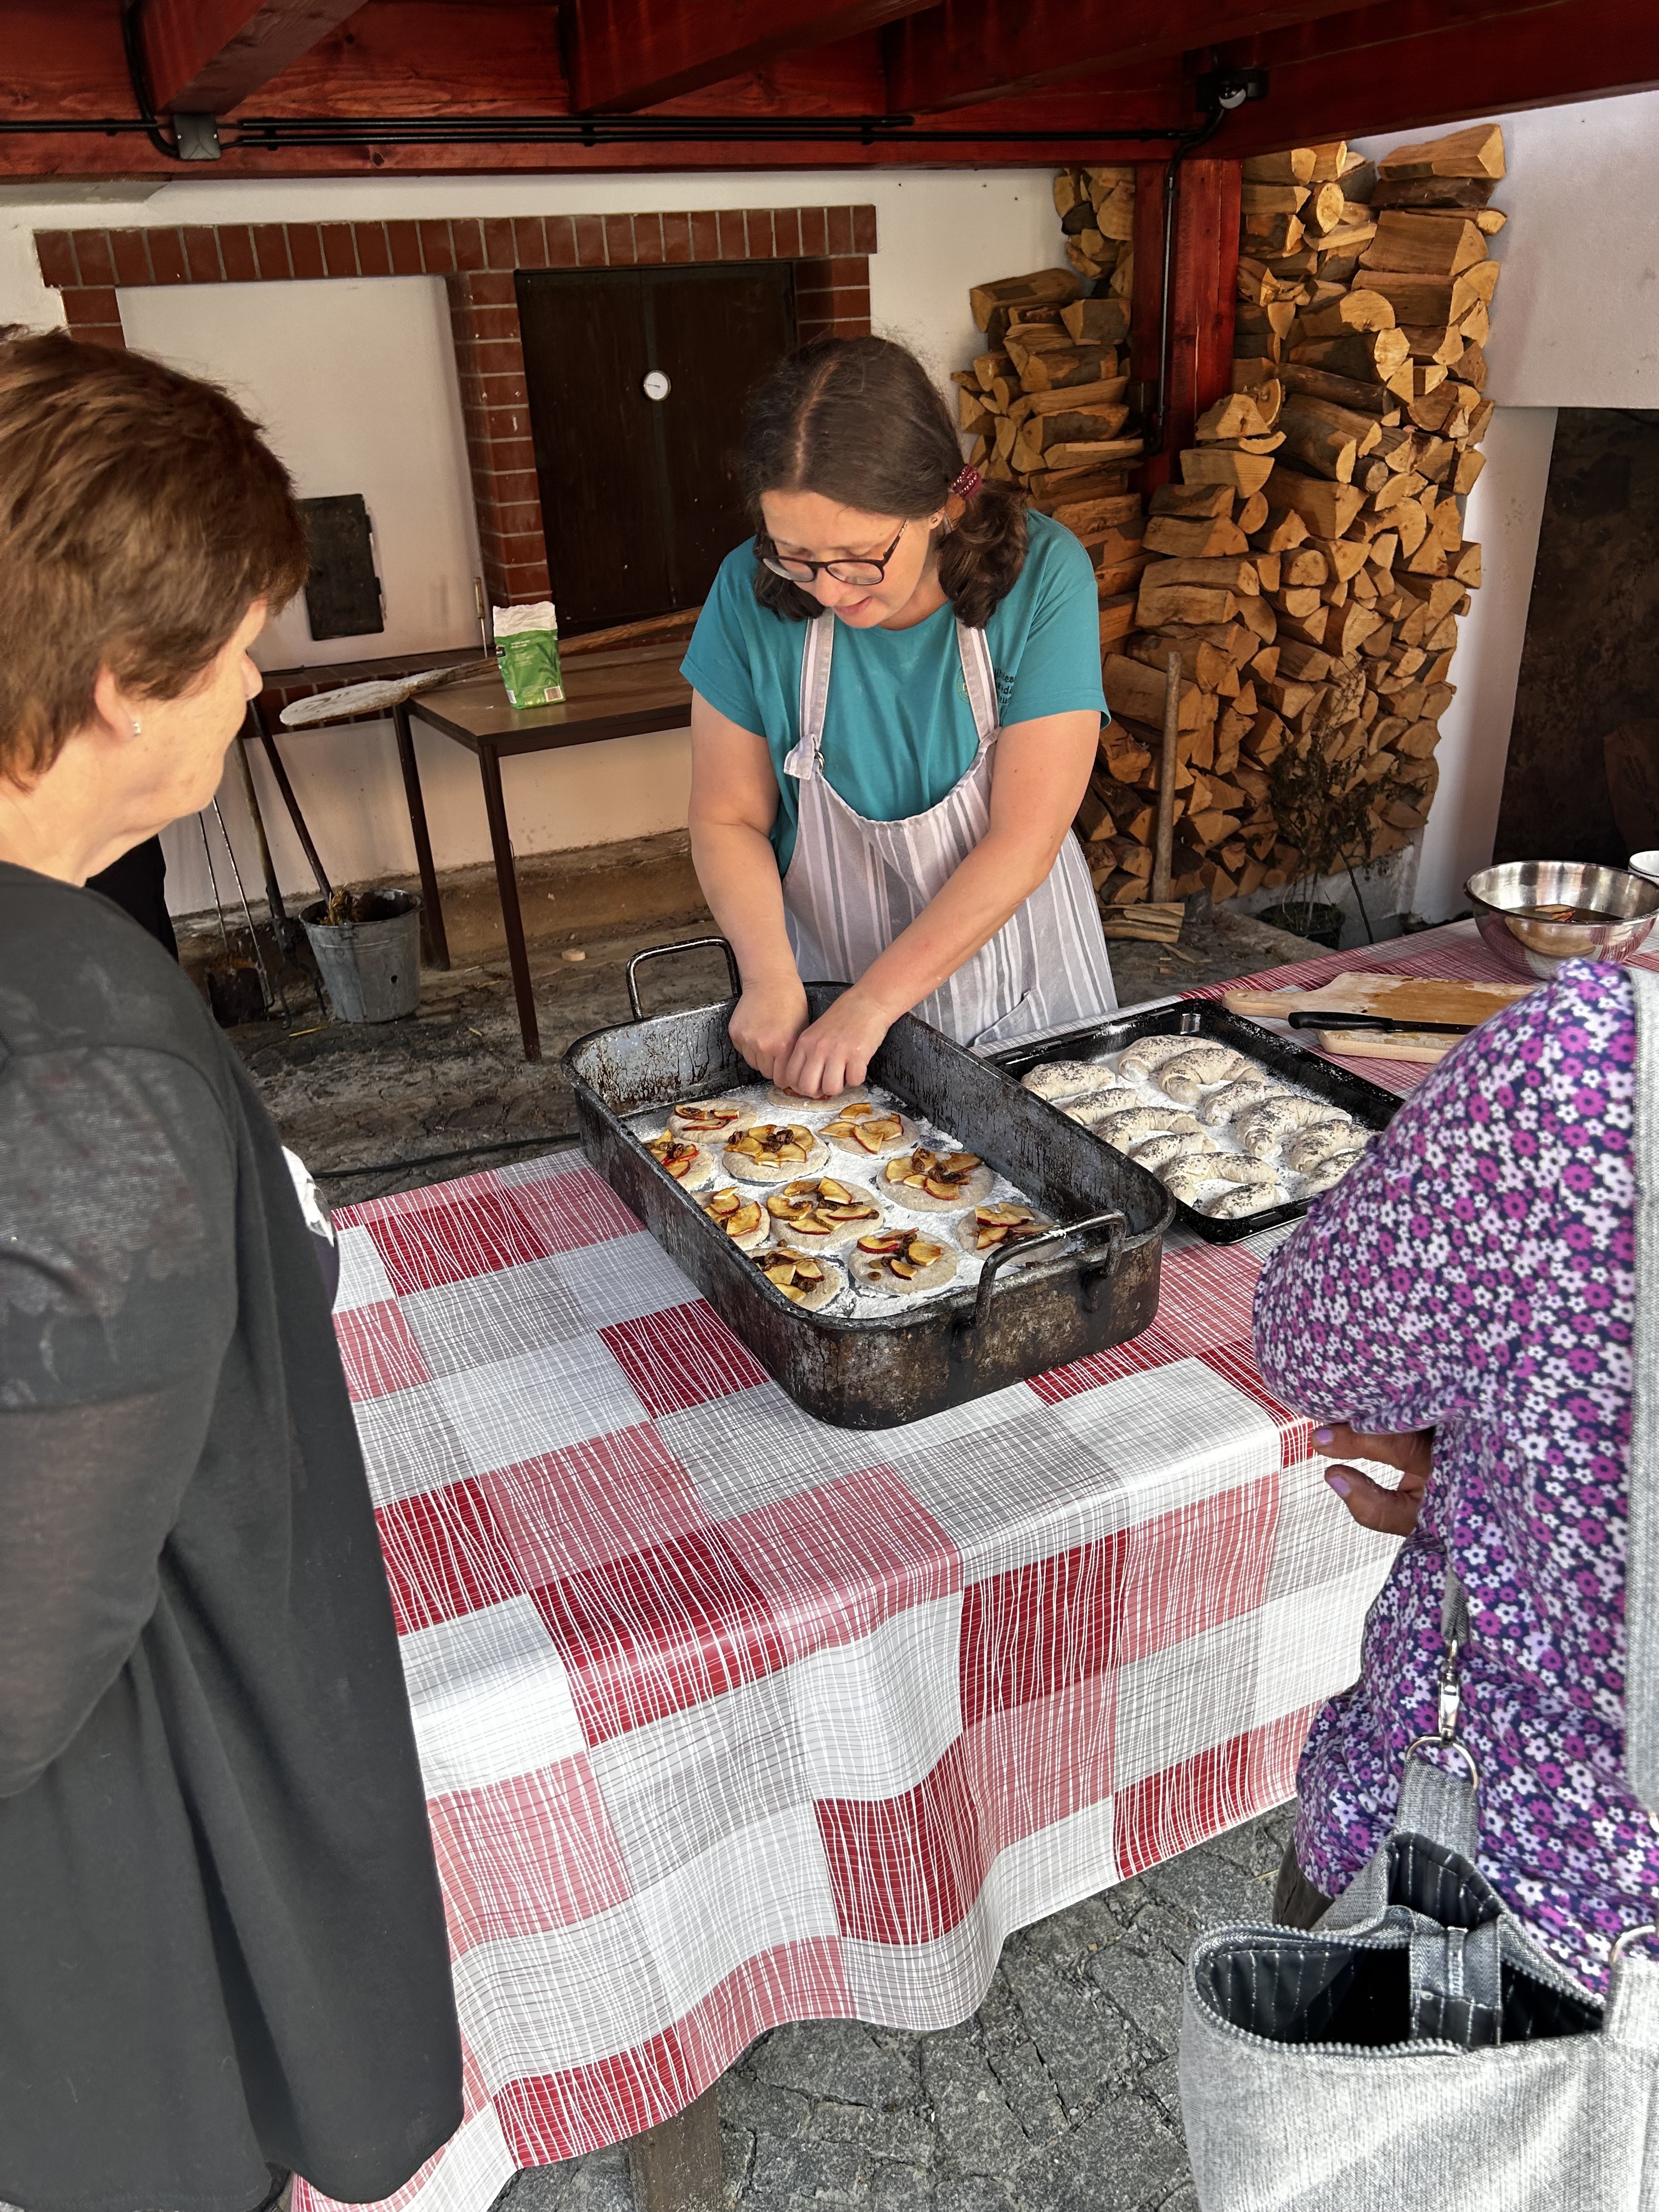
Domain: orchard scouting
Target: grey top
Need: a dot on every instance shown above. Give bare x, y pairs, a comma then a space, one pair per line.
224, 1943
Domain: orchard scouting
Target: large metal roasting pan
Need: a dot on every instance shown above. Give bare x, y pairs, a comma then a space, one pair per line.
1096, 1285
1371, 1107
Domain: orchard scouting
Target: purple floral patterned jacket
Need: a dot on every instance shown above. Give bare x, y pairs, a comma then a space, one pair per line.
1475, 1274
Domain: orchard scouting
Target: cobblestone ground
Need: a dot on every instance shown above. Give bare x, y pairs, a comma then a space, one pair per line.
1059, 2095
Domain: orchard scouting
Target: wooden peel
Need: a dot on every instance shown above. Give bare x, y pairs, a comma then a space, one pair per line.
1400, 998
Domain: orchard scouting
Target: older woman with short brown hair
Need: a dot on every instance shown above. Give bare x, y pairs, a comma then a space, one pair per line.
225, 1955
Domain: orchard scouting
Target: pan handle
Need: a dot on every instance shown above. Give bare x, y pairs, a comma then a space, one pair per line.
1091, 1278
686, 944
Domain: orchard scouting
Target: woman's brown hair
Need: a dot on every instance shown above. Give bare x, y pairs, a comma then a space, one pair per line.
141, 516
860, 421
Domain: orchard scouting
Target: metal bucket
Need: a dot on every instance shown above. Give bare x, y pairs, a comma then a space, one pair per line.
371, 969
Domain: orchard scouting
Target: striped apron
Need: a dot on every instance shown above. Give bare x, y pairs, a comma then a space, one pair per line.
853, 885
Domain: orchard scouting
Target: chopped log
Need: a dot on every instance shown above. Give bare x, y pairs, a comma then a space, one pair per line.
1325, 210
1055, 488
1225, 575
1466, 565
1360, 398
1259, 198
1042, 288
1215, 464
1423, 301
1294, 167
1184, 603
1266, 568
1476, 152
1273, 235
1194, 500
1138, 691
1362, 309
1306, 567
1348, 627
1202, 662
1088, 453
1283, 529
1240, 414
1369, 355
1252, 513
1194, 540
1330, 159
1439, 343
1466, 472
1096, 321
1435, 245
1116, 510
1326, 506
1468, 193
1117, 618
1318, 446
1109, 582
1345, 557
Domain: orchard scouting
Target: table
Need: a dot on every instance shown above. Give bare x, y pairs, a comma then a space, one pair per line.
620, 694
729, 1718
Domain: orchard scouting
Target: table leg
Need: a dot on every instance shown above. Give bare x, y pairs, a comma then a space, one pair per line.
507, 885
432, 913
292, 804
676, 2167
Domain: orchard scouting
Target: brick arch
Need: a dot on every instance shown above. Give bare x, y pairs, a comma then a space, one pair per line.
477, 257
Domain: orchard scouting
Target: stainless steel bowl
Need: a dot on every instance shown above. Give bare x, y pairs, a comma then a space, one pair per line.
1501, 898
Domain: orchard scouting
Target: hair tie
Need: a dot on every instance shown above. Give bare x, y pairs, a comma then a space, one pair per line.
965, 485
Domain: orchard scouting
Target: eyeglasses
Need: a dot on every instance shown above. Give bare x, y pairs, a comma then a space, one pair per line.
844, 571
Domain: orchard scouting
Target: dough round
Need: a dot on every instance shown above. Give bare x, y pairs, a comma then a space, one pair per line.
1189, 1074
791, 1101
1068, 1078
1148, 1053
1123, 1130
1238, 1166
1262, 1129
1243, 1200
1231, 1100
988, 1228
1310, 1149
885, 1131
789, 1149
796, 1219
1331, 1171
690, 1166
873, 1271
741, 1214
1162, 1151
709, 1121
968, 1178
817, 1278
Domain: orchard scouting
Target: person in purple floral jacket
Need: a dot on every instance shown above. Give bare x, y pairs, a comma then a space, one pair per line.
1460, 1306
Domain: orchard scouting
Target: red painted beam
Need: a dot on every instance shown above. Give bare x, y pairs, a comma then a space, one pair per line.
625, 55
967, 50
208, 55
1414, 64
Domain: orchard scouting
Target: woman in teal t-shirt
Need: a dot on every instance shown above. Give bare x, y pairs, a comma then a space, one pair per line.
907, 830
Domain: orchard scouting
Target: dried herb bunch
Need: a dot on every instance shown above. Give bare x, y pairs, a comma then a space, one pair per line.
1328, 810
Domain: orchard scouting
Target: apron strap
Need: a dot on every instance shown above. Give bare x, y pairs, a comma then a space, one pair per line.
805, 758
981, 679
1641, 1546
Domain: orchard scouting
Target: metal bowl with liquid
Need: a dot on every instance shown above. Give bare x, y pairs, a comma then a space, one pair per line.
1534, 914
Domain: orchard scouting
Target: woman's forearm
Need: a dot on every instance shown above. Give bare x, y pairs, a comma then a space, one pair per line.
738, 870
991, 883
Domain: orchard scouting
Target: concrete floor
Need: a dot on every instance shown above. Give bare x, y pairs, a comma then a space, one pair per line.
1059, 2095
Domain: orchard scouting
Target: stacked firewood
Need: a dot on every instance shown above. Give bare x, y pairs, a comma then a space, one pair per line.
1045, 402
1309, 565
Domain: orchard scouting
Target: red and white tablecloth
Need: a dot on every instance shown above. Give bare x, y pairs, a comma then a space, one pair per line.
730, 1718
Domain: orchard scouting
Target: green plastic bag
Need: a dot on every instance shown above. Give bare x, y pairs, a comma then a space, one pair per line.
528, 651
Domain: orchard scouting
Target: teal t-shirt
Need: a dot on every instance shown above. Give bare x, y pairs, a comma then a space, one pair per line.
898, 730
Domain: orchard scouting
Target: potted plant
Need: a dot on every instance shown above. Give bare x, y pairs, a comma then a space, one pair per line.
1323, 808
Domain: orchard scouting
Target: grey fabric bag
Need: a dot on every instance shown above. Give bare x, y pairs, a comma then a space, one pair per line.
1416, 2047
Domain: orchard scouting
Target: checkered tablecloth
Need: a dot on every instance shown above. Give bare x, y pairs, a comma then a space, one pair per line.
730, 1718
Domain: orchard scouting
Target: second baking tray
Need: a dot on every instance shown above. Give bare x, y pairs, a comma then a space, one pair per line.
1096, 1284
1371, 1107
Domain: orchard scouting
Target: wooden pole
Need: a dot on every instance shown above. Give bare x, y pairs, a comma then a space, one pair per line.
1164, 851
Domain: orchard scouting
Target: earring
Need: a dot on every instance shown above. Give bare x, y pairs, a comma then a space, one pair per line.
138, 727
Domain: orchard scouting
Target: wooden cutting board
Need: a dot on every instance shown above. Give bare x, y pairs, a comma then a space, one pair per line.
1400, 998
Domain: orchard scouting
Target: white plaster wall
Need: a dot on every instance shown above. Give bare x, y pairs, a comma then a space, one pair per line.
355, 381
1575, 324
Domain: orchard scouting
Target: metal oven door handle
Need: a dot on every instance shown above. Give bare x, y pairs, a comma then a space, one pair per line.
1091, 1277
686, 944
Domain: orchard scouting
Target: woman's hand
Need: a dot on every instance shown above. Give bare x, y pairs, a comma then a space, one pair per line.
766, 1022
835, 1051
1393, 1512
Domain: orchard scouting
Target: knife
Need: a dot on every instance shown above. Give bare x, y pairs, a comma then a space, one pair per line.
1385, 1022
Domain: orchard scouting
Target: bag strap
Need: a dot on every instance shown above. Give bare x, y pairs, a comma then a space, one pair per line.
1437, 1801
1641, 1546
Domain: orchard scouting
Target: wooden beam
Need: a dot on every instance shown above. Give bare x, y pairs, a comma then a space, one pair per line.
968, 51
1412, 65
625, 55
207, 57
1202, 307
